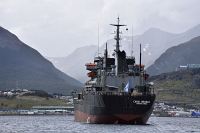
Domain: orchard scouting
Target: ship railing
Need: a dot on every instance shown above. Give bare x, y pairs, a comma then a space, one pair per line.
109, 93
122, 93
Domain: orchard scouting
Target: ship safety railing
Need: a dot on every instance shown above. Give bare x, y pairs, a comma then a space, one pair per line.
142, 90
108, 93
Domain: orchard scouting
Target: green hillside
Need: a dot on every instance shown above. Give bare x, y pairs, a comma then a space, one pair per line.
26, 102
181, 87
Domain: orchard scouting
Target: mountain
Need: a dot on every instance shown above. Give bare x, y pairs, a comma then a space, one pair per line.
154, 42
23, 67
74, 64
181, 87
183, 54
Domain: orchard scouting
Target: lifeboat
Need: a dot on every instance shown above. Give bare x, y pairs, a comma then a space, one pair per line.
91, 66
91, 74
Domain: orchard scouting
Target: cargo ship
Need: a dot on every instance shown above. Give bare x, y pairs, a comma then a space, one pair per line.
117, 91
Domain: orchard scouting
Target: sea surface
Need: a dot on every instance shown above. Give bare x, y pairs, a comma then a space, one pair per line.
66, 124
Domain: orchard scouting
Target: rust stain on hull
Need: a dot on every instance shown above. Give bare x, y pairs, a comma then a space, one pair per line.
110, 119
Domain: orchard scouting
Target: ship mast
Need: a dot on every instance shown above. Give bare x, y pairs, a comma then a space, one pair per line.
98, 41
132, 41
140, 66
105, 57
117, 38
105, 65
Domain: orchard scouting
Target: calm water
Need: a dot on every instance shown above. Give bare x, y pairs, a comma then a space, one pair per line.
65, 124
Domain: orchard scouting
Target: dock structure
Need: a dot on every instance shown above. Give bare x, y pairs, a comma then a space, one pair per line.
52, 109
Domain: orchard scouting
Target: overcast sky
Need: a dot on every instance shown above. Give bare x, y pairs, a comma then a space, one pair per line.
57, 27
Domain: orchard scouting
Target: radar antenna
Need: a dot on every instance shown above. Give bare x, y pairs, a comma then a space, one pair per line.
117, 37
117, 50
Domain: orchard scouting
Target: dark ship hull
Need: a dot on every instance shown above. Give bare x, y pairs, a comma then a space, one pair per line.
110, 108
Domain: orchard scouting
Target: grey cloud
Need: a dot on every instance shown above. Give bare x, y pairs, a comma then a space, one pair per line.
57, 27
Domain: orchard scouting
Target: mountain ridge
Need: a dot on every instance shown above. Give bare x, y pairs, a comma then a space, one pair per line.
183, 54
20, 64
154, 42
